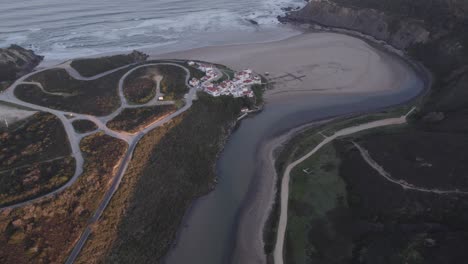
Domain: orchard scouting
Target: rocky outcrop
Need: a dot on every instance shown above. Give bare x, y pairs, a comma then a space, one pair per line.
16, 61
398, 32
138, 56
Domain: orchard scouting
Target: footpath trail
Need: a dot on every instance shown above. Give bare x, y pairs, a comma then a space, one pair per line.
74, 137
387, 176
278, 251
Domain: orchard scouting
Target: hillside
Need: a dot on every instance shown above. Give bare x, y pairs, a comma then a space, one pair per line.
371, 220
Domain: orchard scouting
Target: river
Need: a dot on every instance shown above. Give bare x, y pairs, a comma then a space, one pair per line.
220, 226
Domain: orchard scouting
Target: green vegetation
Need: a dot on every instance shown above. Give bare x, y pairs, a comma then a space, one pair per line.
45, 231
84, 126
173, 84
303, 143
30, 181
94, 66
132, 119
194, 72
317, 210
383, 222
97, 97
40, 137
140, 85
4, 85
435, 13
258, 92
172, 166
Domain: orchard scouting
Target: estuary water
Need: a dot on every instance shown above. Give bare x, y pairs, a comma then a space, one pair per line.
64, 29
225, 226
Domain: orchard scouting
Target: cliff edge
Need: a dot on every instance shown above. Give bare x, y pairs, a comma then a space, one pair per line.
400, 33
15, 62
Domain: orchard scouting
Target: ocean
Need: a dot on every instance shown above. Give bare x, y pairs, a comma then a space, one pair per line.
64, 29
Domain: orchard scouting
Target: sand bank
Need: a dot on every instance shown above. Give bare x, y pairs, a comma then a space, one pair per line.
301, 67
311, 63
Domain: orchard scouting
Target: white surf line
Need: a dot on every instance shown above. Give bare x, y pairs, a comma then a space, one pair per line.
407, 186
282, 224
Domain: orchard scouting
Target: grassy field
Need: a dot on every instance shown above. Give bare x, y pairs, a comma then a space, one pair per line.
98, 97
300, 145
84, 126
132, 119
317, 206
172, 166
173, 84
45, 232
40, 137
94, 66
33, 180
139, 86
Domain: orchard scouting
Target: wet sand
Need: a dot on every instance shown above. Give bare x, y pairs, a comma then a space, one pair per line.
310, 63
305, 66
316, 76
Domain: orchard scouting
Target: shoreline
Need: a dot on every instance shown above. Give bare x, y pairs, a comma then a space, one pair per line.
206, 54
287, 31
422, 71
189, 211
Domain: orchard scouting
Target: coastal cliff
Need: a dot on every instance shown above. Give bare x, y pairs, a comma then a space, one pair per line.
400, 33
15, 62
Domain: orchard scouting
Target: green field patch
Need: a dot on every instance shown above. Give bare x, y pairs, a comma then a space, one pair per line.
140, 85
40, 137
317, 194
173, 84
94, 66
131, 119
84, 126
30, 181
63, 92
171, 166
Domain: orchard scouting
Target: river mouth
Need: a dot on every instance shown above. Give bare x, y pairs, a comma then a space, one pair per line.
226, 225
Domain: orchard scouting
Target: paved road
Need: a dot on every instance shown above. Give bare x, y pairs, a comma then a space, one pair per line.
75, 138
278, 251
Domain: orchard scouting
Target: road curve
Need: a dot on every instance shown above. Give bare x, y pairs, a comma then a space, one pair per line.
126, 160
74, 137
278, 251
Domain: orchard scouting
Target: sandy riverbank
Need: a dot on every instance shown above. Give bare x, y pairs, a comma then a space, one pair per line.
311, 63
301, 66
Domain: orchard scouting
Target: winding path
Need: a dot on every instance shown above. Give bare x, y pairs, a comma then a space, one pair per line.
278, 251
407, 186
73, 136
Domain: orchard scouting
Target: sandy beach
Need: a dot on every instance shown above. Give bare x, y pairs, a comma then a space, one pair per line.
310, 63
300, 67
